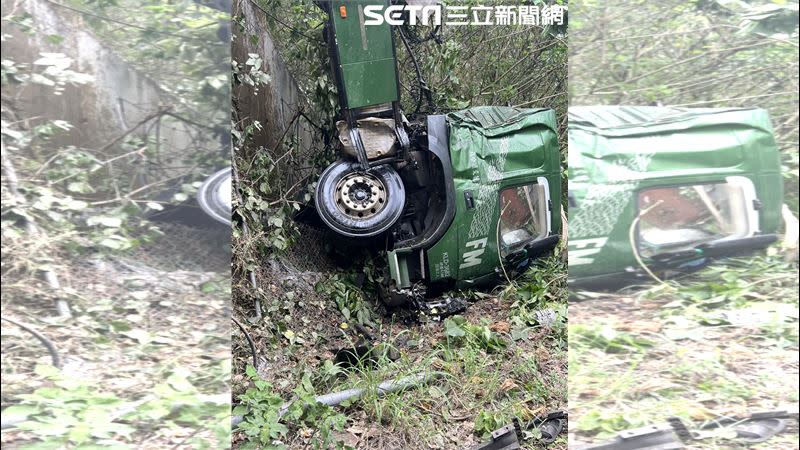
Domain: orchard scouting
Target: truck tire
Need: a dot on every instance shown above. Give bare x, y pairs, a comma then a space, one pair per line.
354, 203
214, 196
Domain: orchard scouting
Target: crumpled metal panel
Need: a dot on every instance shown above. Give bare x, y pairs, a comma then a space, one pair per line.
616, 151
377, 135
492, 148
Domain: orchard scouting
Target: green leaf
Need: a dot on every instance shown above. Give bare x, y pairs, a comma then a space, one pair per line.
453, 329
47, 371
209, 287
80, 187
21, 411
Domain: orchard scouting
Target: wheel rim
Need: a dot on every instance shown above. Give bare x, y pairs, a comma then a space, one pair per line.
360, 195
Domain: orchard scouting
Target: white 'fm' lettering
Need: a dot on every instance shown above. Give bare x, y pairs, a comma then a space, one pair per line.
582, 249
472, 258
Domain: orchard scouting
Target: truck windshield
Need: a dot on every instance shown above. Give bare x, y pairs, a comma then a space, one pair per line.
681, 217
523, 217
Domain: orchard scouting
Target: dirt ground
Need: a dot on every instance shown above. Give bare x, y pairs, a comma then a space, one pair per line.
638, 358
303, 329
141, 339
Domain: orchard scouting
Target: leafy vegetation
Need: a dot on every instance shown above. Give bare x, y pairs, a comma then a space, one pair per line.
717, 343
85, 165
460, 333
489, 365
349, 299
260, 407
697, 54
73, 412
503, 358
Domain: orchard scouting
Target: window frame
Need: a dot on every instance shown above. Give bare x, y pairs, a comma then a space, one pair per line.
540, 181
748, 191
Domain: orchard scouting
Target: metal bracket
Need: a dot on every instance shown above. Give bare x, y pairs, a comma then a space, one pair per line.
442, 307
469, 200
502, 439
656, 437
361, 152
402, 137
400, 131
550, 426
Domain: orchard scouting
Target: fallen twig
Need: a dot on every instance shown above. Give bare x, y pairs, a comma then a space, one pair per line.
249, 341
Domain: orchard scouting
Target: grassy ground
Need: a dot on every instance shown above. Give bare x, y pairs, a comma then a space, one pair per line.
145, 355
721, 343
490, 364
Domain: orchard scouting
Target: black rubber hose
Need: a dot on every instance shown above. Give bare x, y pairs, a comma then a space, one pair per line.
420, 81
51, 348
249, 341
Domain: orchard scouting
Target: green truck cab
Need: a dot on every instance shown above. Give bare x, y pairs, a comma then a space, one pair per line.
498, 190
457, 200
668, 189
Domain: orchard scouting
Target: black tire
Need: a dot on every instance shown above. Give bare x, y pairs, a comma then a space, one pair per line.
214, 196
332, 212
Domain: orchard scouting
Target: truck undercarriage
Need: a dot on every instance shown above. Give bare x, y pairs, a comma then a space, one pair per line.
457, 200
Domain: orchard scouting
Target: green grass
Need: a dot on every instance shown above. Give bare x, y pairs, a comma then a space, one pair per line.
721, 342
493, 363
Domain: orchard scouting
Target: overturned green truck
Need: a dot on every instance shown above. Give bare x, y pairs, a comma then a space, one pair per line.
658, 191
456, 200
478, 196
493, 207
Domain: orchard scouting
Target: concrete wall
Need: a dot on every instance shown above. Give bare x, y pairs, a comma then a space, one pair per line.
276, 105
120, 96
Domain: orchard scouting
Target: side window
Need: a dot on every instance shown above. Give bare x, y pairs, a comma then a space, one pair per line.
681, 217
523, 217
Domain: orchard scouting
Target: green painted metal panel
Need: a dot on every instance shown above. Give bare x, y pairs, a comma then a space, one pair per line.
398, 268
369, 83
615, 152
492, 148
366, 55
